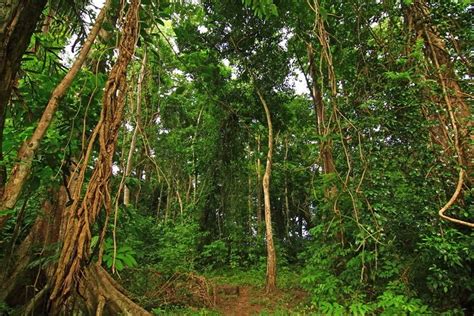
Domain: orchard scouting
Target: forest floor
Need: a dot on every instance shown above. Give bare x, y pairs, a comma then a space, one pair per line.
235, 293
247, 300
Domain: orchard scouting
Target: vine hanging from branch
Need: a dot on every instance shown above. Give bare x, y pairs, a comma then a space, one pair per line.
84, 211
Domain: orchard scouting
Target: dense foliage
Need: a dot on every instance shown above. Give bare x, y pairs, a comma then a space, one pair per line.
370, 103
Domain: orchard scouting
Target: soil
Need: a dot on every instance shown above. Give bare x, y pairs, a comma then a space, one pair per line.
248, 300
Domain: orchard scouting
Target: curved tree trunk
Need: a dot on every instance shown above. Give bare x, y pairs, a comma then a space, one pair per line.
18, 21
21, 170
75, 251
94, 290
271, 255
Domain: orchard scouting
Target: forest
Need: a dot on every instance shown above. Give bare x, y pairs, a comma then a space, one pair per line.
236, 157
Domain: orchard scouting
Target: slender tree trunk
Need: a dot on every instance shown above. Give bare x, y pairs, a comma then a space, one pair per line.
22, 168
158, 207
18, 20
321, 124
249, 204
180, 201
287, 200
169, 196
195, 169
249, 193
128, 168
48, 20
324, 128
271, 255
259, 187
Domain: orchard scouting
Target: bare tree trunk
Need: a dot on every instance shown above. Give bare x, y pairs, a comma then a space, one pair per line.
21, 170
271, 255
287, 201
18, 20
249, 193
259, 187
249, 204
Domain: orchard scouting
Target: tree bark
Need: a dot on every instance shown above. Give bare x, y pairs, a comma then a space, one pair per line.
318, 104
101, 292
21, 170
418, 20
128, 168
259, 186
324, 128
456, 109
97, 291
85, 209
17, 23
43, 233
287, 200
271, 255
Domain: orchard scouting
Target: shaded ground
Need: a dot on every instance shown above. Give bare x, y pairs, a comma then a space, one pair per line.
238, 293
247, 300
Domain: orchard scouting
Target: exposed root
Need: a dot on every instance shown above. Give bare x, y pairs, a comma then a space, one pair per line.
101, 293
40, 296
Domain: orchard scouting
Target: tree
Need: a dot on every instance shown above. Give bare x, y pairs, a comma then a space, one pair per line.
18, 20
84, 210
271, 255
28, 149
147, 173
457, 114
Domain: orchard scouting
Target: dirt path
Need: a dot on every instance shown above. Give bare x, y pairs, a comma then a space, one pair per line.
246, 300
241, 302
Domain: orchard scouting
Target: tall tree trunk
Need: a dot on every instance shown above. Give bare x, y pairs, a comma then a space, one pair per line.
271, 255
321, 124
324, 127
418, 20
259, 186
27, 151
128, 168
287, 200
70, 271
456, 109
18, 21
42, 234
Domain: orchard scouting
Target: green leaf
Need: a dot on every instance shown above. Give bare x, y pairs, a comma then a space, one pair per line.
119, 265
